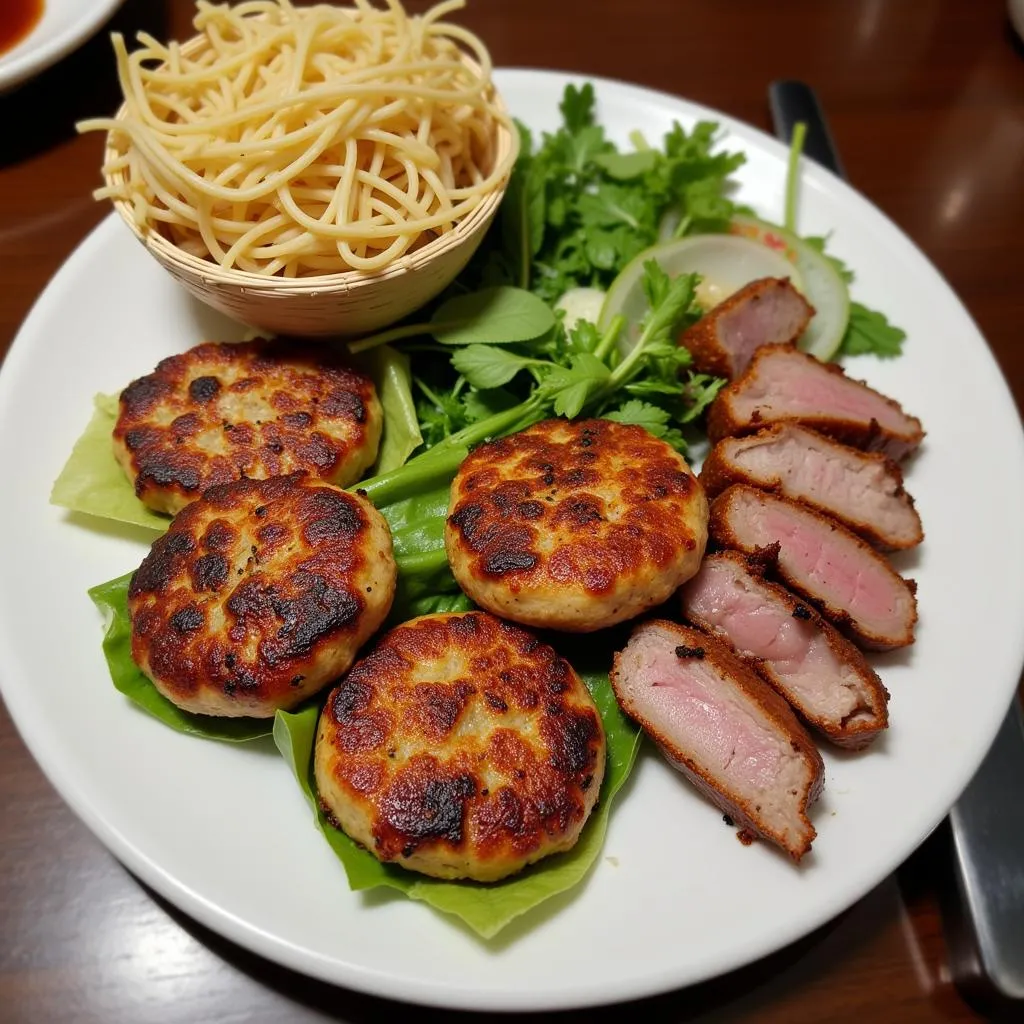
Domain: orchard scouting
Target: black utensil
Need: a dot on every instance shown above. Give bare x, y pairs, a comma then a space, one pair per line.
984, 917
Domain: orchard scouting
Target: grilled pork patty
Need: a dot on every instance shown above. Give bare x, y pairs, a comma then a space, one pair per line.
260, 594
223, 412
460, 747
575, 525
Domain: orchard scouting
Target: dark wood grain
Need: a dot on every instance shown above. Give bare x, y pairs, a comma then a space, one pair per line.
926, 100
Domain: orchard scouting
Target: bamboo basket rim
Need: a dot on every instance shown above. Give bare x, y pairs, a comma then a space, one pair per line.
212, 274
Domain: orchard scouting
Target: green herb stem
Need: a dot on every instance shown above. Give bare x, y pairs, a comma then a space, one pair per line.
683, 226
525, 252
627, 369
436, 466
610, 337
431, 469
384, 337
640, 144
421, 563
505, 422
430, 395
796, 146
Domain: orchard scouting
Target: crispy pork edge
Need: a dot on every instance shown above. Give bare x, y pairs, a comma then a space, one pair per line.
870, 436
724, 537
717, 474
776, 709
854, 737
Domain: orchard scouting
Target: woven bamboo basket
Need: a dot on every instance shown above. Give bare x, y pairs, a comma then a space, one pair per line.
344, 304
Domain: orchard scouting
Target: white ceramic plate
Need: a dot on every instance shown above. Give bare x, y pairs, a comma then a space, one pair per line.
65, 24
224, 833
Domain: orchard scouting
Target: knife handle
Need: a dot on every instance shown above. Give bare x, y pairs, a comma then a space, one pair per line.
986, 937
791, 102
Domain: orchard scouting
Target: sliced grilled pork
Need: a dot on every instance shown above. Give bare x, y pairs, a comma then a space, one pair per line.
851, 582
863, 490
765, 312
822, 675
783, 384
734, 738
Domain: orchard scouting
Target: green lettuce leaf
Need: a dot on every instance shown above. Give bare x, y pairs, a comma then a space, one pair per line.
436, 604
92, 481
486, 909
112, 600
424, 578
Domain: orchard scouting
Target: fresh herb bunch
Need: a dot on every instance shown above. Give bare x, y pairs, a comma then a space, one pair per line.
577, 210
566, 372
582, 371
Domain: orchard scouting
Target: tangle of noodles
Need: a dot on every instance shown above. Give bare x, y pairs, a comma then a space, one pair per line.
306, 141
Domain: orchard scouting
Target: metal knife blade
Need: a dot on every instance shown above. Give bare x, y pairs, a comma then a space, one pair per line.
986, 926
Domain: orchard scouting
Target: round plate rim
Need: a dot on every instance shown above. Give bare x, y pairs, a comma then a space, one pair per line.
373, 982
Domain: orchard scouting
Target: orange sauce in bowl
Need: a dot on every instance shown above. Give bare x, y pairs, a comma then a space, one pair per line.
17, 19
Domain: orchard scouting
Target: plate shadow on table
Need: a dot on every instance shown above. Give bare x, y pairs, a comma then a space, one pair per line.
41, 113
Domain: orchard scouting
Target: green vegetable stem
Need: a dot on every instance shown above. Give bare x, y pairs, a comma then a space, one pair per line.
590, 376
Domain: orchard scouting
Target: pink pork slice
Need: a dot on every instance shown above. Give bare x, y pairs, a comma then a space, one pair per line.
785, 385
764, 312
851, 582
733, 737
863, 490
822, 675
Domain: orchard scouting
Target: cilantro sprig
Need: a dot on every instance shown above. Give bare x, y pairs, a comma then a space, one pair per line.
577, 210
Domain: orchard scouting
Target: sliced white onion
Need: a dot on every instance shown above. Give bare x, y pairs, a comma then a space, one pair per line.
823, 286
725, 263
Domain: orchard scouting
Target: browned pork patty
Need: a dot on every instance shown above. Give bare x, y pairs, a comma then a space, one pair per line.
460, 747
260, 594
575, 525
222, 412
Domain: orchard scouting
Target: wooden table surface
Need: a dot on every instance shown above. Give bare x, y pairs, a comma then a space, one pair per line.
926, 101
